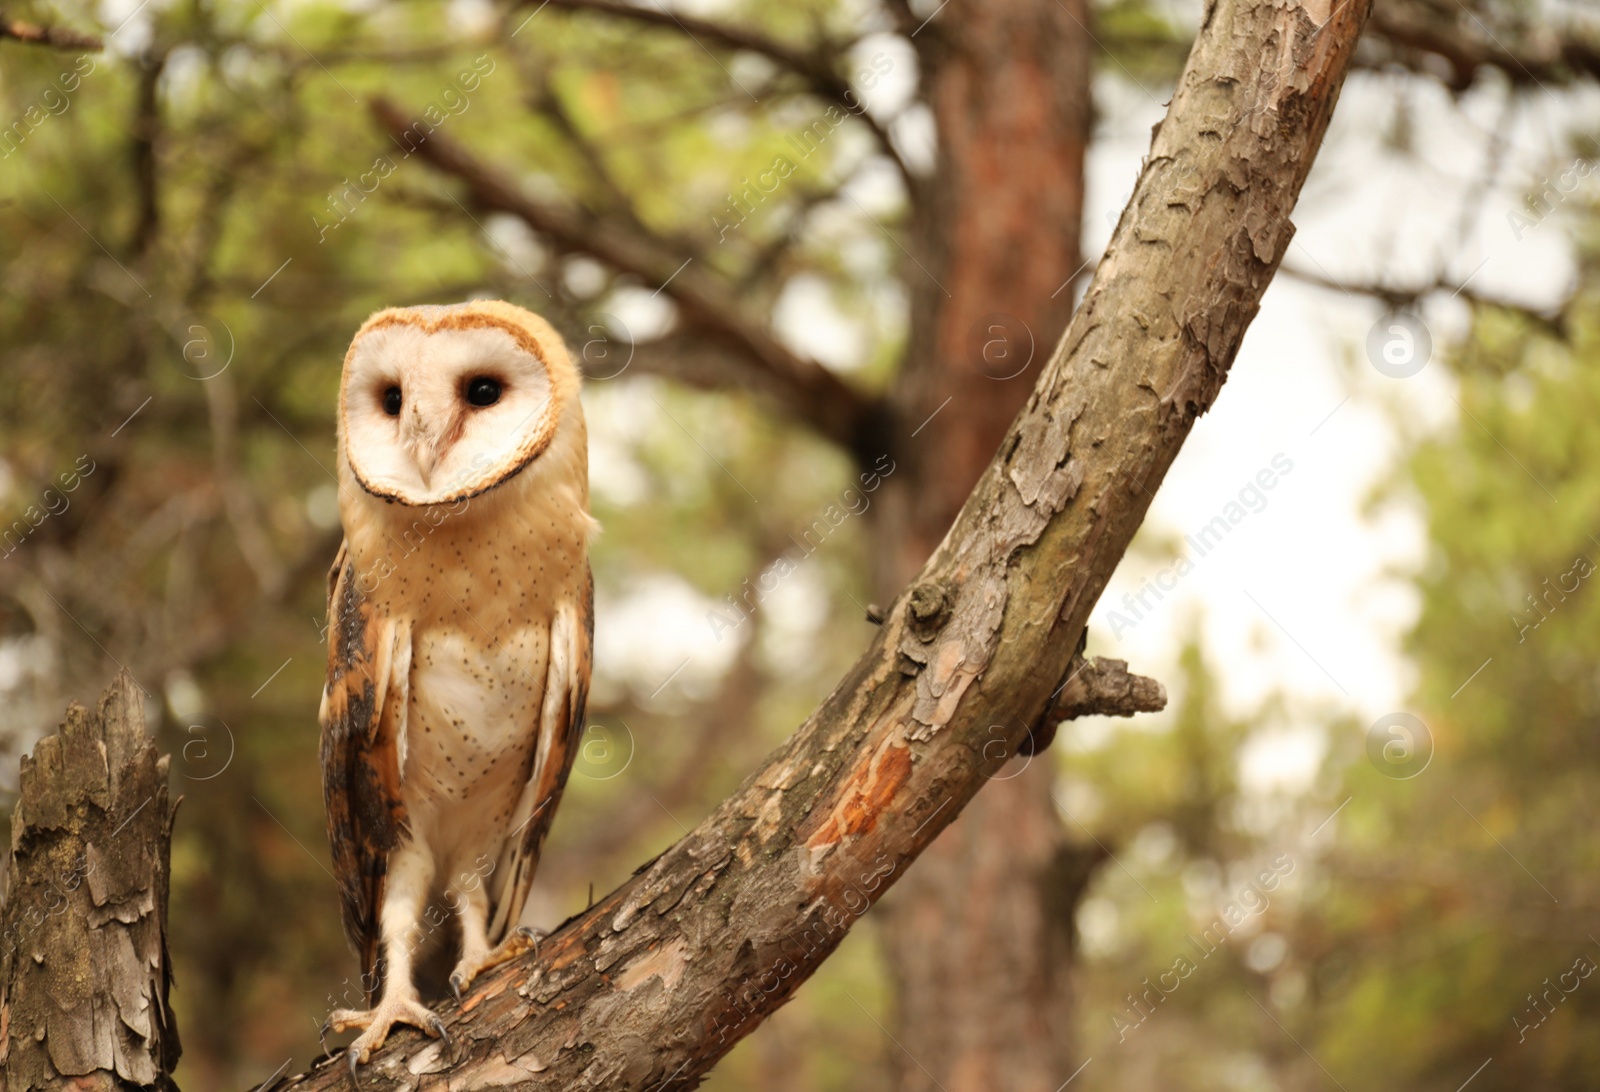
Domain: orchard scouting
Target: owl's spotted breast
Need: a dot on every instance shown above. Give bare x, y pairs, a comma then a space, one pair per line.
468, 751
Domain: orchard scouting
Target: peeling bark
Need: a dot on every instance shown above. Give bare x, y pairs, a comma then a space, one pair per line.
83, 995
650, 987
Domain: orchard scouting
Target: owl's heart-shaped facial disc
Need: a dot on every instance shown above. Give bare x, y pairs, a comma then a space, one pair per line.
444, 403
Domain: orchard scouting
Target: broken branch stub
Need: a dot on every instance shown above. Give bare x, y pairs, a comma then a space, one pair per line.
1095, 688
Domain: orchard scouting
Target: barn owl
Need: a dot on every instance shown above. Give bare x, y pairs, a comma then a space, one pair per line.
460, 623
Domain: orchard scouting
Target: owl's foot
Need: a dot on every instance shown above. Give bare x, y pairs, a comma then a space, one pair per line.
378, 1021
523, 939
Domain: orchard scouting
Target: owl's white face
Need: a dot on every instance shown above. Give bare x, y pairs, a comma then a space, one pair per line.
434, 415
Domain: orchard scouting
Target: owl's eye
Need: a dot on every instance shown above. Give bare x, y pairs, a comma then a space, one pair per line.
391, 401
483, 391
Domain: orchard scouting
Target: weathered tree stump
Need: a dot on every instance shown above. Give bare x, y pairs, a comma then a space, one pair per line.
84, 970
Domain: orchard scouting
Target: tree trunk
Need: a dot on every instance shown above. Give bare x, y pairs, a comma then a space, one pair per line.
994, 238
978, 934
980, 942
83, 997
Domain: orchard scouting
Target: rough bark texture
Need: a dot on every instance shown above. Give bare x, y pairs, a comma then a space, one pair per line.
649, 988
83, 997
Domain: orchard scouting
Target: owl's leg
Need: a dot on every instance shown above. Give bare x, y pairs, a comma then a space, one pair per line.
400, 919
476, 954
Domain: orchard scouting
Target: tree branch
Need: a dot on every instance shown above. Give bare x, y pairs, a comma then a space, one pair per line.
650, 987
1552, 56
1402, 297
1106, 688
816, 66
1095, 688
144, 135
547, 101
659, 980
813, 393
53, 37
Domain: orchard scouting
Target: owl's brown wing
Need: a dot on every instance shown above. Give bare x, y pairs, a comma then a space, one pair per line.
362, 720
566, 693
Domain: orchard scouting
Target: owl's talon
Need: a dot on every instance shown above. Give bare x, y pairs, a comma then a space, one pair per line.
353, 1059
456, 982
378, 1021
523, 939
322, 1037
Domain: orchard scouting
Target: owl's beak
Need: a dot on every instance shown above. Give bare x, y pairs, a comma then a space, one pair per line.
423, 446
426, 457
